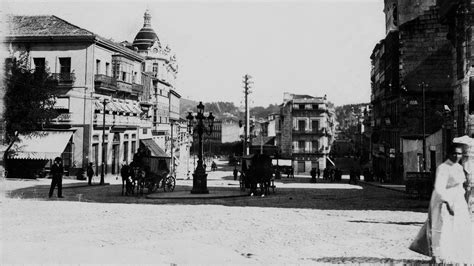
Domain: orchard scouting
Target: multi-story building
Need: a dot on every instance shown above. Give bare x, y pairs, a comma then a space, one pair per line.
134, 81
458, 16
307, 129
410, 70
88, 70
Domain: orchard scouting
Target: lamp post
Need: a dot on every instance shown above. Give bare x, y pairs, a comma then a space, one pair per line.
104, 149
424, 126
201, 124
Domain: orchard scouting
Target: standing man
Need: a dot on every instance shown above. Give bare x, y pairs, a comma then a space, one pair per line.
313, 175
236, 172
90, 173
57, 173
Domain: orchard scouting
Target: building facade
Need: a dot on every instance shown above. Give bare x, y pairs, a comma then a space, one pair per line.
410, 84
109, 96
307, 130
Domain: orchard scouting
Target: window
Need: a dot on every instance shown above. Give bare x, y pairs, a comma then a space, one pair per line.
315, 107
155, 67
315, 125
145, 131
315, 145
65, 65
125, 151
107, 69
40, 64
301, 106
124, 76
134, 147
97, 67
143, 67
301, 125
301, 145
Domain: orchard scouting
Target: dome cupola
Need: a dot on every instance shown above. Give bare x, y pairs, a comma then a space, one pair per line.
146, 36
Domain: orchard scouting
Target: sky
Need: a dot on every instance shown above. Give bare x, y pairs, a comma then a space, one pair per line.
319, 47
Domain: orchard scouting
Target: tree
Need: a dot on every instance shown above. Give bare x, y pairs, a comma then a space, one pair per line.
29, 100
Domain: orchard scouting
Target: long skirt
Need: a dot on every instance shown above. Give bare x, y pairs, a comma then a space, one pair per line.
444, 236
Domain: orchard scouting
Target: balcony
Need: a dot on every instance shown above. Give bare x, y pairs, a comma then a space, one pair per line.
103, 81
64, 78
322, 131
117, 120
307, 151
62, 118
124, 86
137, 88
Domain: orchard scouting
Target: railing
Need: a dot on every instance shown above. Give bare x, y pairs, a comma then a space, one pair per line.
61, 118
307, 151
321, 131
124, 86
137, 87
64, 77
117, 120
105, 81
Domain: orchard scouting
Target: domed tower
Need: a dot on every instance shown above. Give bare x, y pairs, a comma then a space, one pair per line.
146, 37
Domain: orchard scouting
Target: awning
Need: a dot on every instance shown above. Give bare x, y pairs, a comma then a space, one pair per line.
61, 103
44, 145
330, 161
154, 148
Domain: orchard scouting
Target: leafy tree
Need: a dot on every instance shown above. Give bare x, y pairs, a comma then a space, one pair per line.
28, 100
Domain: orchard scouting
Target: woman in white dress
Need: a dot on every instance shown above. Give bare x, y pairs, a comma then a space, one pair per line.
448, 233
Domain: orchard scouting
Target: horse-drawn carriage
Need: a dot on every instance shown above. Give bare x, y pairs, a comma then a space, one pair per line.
257, 173
151, 171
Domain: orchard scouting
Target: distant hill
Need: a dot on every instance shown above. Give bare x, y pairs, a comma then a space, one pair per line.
226, 109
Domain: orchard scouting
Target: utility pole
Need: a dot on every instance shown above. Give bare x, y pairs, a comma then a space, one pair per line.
247, 91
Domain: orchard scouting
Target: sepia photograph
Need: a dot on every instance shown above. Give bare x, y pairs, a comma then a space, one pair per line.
237, 132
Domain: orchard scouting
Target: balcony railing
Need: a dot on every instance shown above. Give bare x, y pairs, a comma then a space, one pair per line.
124, 86
137, 88
321, 131
105, 81
63, 77
307, 151
117, 120
63, 118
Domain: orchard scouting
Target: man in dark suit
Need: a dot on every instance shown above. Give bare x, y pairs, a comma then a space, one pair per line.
57, 173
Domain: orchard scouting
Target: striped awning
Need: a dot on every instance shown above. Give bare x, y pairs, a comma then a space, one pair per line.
43, 145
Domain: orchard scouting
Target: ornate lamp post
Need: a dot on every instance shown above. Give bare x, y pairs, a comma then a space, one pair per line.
201, 124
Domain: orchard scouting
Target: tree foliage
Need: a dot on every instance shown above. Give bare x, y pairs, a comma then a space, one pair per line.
28, 99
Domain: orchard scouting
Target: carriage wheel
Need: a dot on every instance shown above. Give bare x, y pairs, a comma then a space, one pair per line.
169, 183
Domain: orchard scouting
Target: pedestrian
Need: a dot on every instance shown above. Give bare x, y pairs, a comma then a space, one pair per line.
236, 172
319, 173
127, 185
313, 175
90, 173
446, 236
57, 177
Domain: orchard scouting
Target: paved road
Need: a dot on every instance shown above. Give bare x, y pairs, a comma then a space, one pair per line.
300, 223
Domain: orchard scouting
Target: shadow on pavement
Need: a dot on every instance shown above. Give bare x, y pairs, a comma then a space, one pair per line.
386, 222
368, 260
367, 198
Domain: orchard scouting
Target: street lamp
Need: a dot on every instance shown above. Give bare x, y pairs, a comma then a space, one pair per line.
424, 126
104, 149
201, 124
